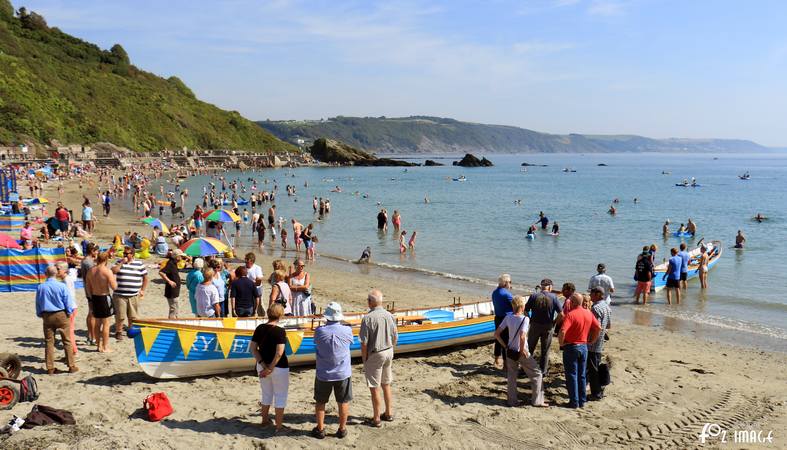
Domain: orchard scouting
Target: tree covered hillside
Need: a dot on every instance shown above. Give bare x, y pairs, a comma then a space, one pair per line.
56, 86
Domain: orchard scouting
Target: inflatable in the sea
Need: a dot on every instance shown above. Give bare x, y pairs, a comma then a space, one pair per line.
684, 234
530, 236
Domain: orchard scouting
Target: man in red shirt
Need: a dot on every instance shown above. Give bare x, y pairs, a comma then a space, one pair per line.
579, 328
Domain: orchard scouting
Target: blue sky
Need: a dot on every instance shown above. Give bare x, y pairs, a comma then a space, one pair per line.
690, 68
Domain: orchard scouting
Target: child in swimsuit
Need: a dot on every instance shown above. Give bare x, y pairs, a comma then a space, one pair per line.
411, 244
402, 247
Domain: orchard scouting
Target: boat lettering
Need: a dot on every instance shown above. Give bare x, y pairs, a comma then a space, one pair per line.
206, 341
241, 346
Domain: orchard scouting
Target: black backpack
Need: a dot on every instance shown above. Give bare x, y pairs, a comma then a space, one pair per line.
28, 389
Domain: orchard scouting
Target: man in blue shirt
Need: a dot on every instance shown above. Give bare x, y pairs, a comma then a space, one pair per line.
332, 345
673, 275
684, 266
501, 300
54, 305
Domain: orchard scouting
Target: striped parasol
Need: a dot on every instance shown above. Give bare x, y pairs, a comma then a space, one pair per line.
153, 222
221, 215
204, 247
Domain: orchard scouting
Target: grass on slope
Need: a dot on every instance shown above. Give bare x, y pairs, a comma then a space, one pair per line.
56, 86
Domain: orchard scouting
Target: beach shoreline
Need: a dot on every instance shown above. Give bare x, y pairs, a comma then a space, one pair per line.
666, 384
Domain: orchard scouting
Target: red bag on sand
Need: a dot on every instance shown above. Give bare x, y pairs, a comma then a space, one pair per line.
158, 406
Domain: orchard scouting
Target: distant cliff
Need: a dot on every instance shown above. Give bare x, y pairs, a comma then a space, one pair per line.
423, 134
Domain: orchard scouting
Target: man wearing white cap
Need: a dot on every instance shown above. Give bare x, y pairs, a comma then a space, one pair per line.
332, 343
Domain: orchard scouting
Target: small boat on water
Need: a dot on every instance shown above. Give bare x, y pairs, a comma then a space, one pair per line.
714, 249
461, 178
745, 176
178, 348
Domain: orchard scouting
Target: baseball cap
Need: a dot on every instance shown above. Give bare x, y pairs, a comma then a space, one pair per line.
546, 282
333, 312
601, 267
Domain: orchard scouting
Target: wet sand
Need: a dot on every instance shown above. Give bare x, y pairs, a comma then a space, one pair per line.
666, 385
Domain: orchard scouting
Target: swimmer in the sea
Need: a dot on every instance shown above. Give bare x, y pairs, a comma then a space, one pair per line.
366, 255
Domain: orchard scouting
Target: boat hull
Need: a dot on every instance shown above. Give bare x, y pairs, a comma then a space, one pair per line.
220, 350
659, 280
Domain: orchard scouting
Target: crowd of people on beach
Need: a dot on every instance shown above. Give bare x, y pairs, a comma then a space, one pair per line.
116, 280
580, 323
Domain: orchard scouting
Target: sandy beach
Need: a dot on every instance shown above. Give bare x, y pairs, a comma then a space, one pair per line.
666, 385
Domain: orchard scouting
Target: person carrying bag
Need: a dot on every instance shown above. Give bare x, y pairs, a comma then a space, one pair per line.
517, 355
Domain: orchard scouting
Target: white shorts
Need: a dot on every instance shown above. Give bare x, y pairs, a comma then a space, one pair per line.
377, 368
274, 388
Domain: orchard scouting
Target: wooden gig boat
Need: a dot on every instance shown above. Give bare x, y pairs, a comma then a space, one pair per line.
177, 348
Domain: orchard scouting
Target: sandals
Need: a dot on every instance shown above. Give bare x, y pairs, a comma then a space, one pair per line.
374, 423
318, 433
341, 433
386, 417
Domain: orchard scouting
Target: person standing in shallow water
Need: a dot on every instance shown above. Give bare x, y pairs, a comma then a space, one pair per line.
396, 220
382, 220
673, 275
703, 267
740, 239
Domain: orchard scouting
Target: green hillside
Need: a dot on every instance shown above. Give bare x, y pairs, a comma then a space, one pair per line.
56, 86
424, 134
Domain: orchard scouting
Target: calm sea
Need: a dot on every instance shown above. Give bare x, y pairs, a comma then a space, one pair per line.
472, 231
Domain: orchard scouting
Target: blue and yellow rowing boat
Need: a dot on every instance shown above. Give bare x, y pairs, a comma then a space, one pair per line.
713, 248
178, 348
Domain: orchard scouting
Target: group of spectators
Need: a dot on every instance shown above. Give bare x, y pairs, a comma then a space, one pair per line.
215, 289
580, 323
378, 336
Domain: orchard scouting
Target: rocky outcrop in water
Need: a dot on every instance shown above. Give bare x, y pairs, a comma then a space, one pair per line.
332, 151
430, 163
471, 160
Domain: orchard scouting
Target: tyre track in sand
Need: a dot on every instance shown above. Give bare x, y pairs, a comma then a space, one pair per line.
731, 411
